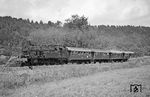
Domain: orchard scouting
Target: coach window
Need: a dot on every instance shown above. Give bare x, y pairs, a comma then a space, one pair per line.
94, 53
86, 53
104, 54
83, 53
76, 52
60, 49
100, 53
108, 54
72, 52
80, 52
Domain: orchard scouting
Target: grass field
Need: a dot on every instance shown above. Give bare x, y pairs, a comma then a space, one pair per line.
12, 79
114, 83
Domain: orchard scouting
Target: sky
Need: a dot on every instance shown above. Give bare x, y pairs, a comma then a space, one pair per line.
99, 12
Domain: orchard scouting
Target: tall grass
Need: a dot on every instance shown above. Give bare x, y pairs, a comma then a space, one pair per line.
16, 77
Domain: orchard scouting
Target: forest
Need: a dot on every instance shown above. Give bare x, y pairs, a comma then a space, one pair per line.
75, 32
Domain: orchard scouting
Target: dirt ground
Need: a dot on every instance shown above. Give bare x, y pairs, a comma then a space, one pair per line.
113, 83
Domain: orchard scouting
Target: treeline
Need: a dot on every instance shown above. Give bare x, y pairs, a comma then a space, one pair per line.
76, 32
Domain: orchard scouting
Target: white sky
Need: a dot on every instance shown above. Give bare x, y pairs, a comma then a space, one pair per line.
99, 12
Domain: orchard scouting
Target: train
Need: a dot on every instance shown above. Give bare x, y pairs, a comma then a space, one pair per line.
59, 54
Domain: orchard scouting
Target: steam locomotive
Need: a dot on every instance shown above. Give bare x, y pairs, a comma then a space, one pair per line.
58, 54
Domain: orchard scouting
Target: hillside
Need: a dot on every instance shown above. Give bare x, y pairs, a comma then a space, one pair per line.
76, 31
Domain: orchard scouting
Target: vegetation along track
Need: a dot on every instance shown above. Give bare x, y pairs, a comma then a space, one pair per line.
13, 79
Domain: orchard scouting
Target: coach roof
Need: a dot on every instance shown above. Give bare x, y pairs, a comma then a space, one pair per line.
128, 52
118, 51
78, 49
85, 49
98, 50
115, 51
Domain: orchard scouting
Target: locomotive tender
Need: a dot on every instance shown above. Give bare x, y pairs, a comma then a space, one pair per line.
57, 54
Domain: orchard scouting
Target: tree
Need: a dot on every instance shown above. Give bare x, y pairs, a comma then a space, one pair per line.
58, 23
36, 22
32, 21
77, 22
41, 22
28, 20
50, 23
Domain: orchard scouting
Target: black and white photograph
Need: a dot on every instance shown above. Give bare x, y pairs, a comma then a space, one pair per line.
74, 48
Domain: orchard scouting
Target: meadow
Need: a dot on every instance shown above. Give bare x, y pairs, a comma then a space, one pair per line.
12, 78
